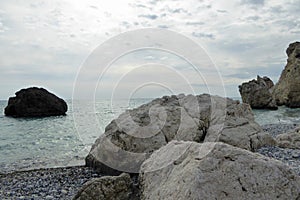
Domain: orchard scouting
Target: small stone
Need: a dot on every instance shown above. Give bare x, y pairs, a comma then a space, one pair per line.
64, 191
49, 197
296, 155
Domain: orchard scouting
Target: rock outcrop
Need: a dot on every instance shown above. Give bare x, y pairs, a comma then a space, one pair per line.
189, 170
106, 188
258, 93
35, 102
287, 90
131, 138
289, 140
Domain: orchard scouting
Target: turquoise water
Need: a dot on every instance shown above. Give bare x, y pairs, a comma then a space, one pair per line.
66, 140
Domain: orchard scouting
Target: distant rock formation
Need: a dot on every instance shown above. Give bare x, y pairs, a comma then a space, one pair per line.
131, 138
287, 90
261, 93
258, 93
35, 102
215, 171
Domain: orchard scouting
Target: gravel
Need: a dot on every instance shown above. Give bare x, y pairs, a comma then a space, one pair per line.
55, 183
276, 129
290, 157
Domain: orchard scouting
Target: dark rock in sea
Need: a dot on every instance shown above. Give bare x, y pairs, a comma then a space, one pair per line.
35, 102
287, 90
258, 93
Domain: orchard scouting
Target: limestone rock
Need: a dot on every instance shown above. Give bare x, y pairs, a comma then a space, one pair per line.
131, 138
289, 140
106, 188
287, 90
35, 102
237, 128
188, 170
258, 93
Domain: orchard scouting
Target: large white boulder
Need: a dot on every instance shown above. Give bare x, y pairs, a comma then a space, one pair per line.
188, 170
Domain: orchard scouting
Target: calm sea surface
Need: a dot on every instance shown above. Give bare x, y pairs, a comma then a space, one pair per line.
65, 140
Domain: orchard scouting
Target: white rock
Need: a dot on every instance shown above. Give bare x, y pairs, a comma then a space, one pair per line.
189, 170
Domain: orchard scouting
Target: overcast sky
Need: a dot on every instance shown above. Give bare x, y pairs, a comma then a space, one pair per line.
45, 43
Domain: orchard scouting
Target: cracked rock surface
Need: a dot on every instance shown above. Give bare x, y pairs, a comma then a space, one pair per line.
189, 170
131, 138
106, 188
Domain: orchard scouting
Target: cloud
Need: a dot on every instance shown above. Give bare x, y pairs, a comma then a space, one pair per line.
55, 37
149, 16
222, 11
195, 23
253, 18
253, 2
204, 35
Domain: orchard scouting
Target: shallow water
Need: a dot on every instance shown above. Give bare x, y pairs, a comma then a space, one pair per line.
66, 140
283, 115
56, 141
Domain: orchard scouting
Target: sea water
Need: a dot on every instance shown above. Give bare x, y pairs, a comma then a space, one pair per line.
27, 143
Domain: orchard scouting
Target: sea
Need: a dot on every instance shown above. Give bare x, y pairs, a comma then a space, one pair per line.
60, 141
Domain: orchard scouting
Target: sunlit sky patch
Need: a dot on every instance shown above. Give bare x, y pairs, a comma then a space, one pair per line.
45, 43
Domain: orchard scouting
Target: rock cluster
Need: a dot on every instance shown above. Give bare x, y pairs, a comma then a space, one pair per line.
190, 147
258, 93
261, 93
131, 138
35, 102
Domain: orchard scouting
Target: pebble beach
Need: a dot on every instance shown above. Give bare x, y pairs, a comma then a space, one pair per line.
51, 183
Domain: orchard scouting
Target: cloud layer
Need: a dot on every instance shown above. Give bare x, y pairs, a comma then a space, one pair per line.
45, 43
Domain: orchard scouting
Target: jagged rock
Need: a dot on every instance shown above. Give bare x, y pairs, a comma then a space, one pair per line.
287, 90
189, 170
131, 138
106, 188
258, 93
35, 102
289, 140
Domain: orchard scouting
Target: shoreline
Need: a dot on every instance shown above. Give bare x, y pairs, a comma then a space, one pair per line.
64, 182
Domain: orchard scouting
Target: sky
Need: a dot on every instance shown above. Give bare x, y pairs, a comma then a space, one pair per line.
49, 43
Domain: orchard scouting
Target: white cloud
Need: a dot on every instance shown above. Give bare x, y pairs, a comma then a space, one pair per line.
48, 37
